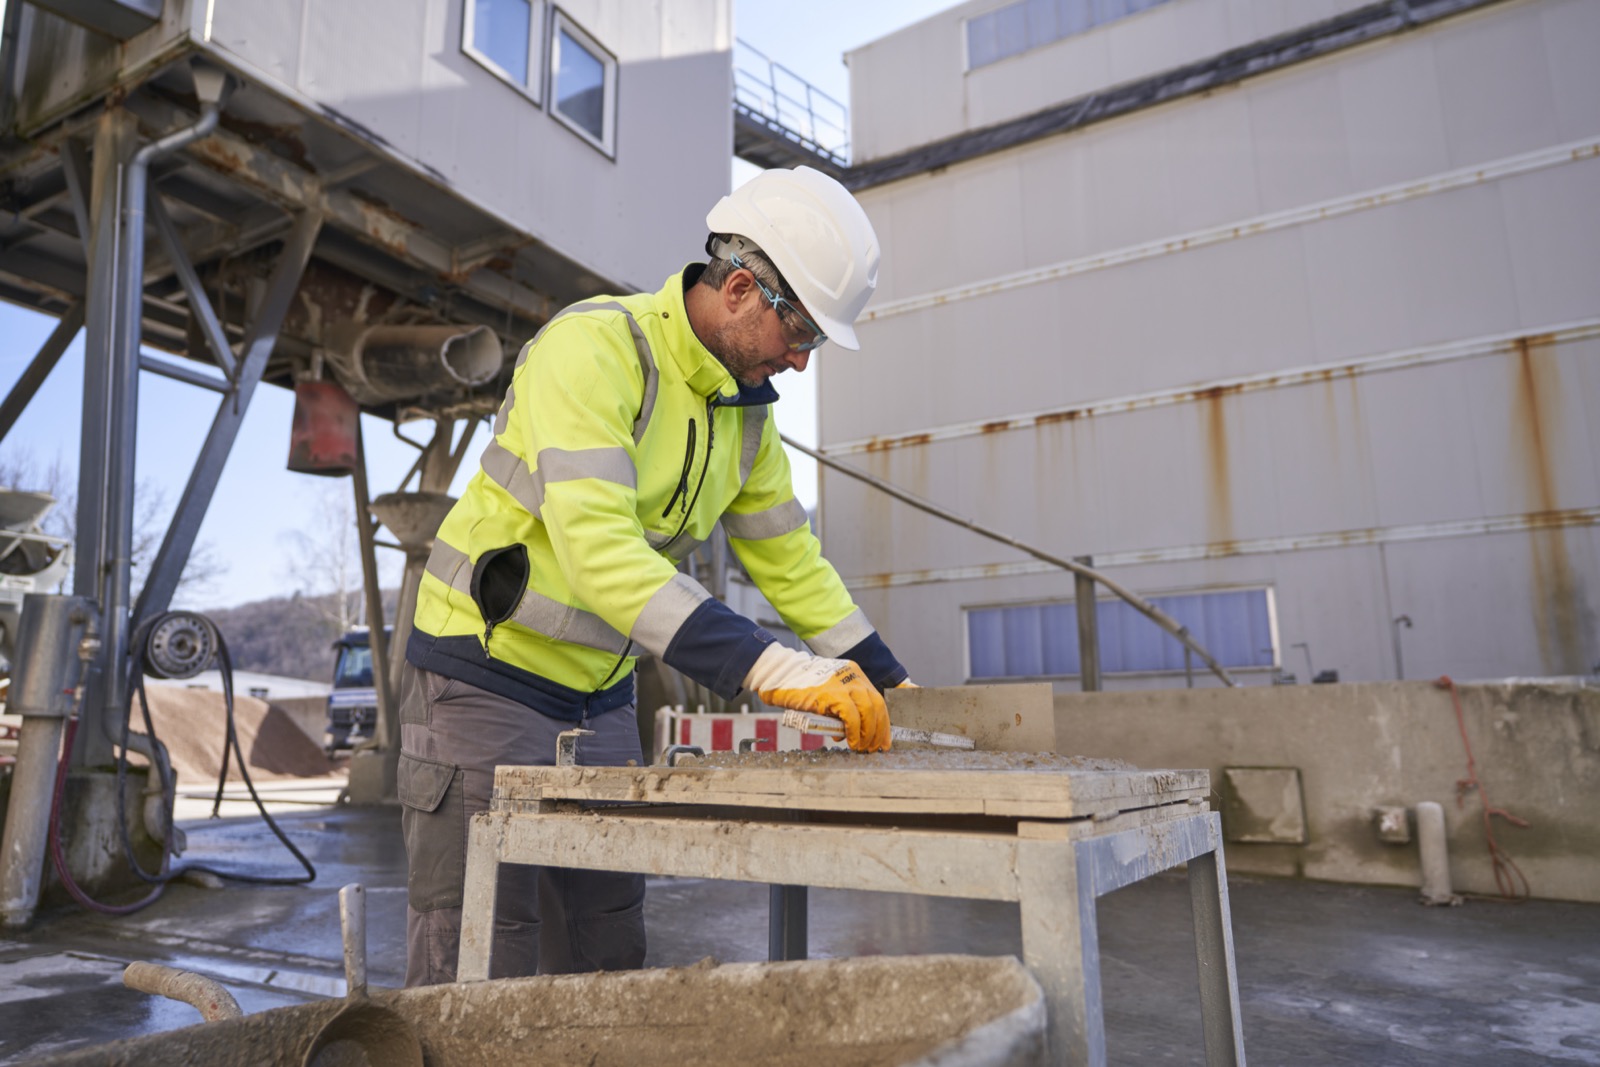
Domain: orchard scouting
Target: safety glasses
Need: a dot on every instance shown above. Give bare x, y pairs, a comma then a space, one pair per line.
787, 313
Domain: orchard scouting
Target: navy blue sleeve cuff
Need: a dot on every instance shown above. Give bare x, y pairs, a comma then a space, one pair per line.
716, 646
874, 657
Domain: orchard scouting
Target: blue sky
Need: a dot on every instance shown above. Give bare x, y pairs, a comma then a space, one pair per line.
259, 504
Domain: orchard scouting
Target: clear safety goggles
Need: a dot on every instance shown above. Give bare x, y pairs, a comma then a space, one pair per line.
787, 314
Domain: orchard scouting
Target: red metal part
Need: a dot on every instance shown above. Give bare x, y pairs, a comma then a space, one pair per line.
322, 439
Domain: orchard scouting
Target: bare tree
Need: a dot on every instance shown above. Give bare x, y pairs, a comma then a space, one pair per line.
21, 469
327, 557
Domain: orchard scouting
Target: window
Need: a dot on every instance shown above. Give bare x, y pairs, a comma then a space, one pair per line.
1027, 24
583, 84
1237, 626
504, 36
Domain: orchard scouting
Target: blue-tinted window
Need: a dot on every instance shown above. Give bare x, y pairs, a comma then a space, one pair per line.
581, 86
1026, 24
502, 34
583, 83
1041, 640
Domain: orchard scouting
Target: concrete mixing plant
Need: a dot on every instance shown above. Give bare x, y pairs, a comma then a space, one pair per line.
373, 203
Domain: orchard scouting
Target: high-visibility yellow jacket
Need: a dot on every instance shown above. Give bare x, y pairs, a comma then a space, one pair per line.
621, 443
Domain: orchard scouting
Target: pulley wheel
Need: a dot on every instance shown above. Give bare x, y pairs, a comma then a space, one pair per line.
181, 644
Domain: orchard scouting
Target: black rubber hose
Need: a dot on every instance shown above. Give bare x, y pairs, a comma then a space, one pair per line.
165, 875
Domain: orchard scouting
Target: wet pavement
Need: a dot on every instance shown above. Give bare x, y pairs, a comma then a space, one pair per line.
1328, 974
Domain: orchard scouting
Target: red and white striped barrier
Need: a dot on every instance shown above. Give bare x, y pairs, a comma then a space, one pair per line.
722, 732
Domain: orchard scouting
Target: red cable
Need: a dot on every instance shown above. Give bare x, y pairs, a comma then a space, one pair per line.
1504, 867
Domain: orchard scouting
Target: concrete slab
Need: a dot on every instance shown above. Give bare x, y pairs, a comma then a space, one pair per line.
1328, 974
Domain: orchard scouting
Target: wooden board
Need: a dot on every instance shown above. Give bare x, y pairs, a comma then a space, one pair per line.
1045, 794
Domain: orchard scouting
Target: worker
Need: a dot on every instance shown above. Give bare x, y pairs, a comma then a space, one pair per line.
631, 427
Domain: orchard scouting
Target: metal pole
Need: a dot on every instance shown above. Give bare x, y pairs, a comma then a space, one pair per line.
1088, 629
786, 922
376, 641
47, 673
1394, 627
39, 369
1137, 602
105, 408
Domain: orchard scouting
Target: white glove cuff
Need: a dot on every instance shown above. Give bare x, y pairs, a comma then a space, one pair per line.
783, 668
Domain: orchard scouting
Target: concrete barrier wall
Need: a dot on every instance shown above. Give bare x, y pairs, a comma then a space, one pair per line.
308, 713
1361, 746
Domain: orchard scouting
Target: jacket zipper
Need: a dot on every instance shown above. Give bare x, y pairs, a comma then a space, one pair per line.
711, 440
683, 478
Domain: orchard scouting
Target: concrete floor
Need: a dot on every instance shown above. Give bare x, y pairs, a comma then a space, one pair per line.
1328, 974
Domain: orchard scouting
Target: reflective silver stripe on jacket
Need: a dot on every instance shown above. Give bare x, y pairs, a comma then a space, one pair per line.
840, 638
759, 525
502, 418
682, 547
641, 346
555, 465
445, 562
542, 614
665, 613
754, 419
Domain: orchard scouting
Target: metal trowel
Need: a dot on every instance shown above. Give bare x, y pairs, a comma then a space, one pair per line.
807, 723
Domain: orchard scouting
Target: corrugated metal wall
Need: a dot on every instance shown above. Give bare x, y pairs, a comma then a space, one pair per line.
1334, 331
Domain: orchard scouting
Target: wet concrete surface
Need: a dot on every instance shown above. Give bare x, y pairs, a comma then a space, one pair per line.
1328, 974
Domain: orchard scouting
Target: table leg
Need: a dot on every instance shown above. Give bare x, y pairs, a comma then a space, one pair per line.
787, 935
485, 837
1213, 939
1061, 946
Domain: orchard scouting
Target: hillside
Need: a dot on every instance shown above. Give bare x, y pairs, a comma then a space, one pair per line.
290, 636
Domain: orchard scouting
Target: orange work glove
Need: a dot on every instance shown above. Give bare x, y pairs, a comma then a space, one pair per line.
834, 687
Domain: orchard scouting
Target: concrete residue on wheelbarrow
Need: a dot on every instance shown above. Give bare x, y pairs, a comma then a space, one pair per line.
865, 1012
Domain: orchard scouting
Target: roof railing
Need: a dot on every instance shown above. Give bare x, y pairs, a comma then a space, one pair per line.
790, 106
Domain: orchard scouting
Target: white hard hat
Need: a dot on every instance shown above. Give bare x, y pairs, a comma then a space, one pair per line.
818, 237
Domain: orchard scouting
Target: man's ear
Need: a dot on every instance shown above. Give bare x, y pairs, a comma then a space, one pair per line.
736, 290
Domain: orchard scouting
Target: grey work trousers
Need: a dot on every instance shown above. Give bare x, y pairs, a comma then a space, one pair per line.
547, 920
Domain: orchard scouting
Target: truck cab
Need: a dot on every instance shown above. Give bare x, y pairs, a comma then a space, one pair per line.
353, 703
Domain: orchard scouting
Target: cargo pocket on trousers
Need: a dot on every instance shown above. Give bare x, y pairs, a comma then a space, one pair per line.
433, 819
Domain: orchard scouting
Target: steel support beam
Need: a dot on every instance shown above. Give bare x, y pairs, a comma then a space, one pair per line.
199, 303
1088, 629
39, 369
105, 463
179, 373
75, 165
257, 347
373, 769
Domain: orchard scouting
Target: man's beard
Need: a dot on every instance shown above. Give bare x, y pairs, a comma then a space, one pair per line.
737, 345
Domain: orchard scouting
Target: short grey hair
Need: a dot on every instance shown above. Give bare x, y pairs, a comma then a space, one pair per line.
754, 260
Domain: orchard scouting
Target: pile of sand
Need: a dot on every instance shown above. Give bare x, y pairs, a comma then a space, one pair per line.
193, 724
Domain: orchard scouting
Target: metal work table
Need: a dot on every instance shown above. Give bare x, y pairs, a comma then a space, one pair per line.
982, 825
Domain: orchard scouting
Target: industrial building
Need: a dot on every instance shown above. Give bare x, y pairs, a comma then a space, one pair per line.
1279, 313
1285, 314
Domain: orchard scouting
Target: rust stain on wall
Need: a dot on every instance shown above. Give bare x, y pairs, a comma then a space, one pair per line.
1219, 479
883, 444
1560, 616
